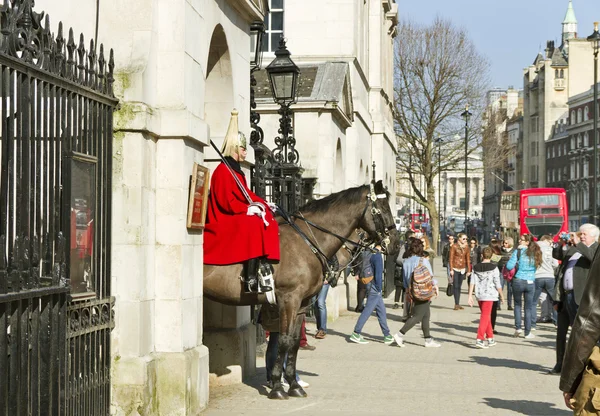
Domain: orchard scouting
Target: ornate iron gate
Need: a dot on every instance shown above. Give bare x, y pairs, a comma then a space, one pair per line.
56, 312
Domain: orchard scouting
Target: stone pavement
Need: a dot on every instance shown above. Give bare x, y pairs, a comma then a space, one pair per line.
456, 379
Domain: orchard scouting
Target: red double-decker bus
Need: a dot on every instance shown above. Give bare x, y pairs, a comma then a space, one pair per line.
536, 211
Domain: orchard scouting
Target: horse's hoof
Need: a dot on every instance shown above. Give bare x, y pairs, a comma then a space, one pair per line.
297, 392
278, 394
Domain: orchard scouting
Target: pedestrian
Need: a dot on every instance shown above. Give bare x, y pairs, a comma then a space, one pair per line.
485, 284
580, 377
398, 281
527, 258
321, 311
427, 250
460, 264
420, 309
446, 255
496, 248
475, 253
269, 319
374, 300
507, 250
544, 275
576, 255
304, 345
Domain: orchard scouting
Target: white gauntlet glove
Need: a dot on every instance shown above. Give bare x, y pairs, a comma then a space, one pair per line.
254, 210
272, 206
258, 210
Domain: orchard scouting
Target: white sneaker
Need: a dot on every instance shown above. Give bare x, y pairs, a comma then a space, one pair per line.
399, 340
431, 343
303, 383
529, 336
518, 333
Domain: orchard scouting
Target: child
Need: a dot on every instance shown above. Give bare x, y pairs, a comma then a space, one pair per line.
487, 287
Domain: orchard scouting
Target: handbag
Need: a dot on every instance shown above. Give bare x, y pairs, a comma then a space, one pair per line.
450, 289
509, 274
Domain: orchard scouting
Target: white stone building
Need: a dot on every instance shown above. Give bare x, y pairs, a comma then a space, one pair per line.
180, 69
343, 118
548, 83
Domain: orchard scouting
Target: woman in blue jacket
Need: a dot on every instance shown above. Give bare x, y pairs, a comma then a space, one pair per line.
529, 258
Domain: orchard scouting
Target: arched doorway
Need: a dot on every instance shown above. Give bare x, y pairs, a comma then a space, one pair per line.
218, 98
228, 333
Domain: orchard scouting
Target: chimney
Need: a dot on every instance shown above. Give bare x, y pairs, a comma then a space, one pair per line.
549, 49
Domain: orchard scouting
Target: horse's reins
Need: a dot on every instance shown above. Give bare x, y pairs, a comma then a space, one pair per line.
314, 247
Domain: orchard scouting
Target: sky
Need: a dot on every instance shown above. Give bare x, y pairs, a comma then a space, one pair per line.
509, 32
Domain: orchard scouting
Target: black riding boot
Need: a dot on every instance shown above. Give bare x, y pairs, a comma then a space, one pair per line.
251, 275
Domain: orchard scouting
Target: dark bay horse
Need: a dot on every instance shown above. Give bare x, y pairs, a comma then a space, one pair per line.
299, 274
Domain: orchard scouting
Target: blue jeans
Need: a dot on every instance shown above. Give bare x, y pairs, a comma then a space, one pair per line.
374, 303
509, 292
457, 280
523, 287
542, 284
271, 355
321, 308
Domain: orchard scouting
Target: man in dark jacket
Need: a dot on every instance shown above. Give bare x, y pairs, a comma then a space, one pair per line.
446, 253
576, 257
580, 376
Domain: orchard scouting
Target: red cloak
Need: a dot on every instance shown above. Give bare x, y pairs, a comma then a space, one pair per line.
230, 235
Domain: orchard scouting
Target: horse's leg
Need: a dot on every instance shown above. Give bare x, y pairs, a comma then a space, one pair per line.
290, 369
288, 311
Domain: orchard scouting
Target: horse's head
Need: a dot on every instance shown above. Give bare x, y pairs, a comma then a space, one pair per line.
378, 220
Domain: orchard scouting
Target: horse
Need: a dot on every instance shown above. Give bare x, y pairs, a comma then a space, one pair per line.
326, 224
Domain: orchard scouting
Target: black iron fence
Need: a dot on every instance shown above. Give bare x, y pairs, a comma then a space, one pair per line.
56, 311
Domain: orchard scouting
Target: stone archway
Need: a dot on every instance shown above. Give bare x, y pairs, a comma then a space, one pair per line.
218, 99
228, 332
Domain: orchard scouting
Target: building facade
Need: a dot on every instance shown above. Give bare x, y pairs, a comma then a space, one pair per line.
502, 132
553, 77
343, 120
181, 67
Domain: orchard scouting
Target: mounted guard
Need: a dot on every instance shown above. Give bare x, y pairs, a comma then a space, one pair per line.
240, 227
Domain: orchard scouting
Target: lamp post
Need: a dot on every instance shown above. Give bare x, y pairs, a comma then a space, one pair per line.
283, 76
594, 38
439, 210
466, 115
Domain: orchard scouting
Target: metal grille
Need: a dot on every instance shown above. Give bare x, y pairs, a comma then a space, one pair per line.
56, 311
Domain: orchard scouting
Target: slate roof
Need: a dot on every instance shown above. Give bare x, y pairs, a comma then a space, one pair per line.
327, 81
559, 58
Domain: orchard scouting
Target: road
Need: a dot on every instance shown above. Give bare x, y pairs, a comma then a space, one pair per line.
457, 379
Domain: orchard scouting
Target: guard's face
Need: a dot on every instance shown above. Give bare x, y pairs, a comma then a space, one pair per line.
242, 153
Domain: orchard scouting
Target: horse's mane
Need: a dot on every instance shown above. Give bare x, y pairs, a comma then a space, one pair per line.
350, 195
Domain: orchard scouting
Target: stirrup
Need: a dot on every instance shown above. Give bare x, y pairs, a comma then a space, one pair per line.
266, 284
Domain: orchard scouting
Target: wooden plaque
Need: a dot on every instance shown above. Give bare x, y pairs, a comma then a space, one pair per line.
198, 199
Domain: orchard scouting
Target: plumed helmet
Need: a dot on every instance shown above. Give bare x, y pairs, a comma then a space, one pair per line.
234, 139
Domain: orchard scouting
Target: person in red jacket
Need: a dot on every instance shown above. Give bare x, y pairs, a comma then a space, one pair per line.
240, 227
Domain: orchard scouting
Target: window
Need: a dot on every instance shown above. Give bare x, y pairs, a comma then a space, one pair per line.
573, 143
542, 200
562, 73
548, 176
586, 139
586, 113
579, 116
273, 26
553, 151
573, 117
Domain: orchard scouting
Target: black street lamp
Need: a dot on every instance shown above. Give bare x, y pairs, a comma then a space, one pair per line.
466, 115
283, 76
594, 38
257, 31
438, 141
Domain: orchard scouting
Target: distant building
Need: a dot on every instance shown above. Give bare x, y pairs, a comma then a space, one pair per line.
553, 77
502, 131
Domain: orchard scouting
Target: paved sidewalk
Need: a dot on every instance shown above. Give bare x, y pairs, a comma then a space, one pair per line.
456, 379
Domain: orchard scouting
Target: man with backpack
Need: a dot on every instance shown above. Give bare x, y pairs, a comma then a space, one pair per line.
421, 287
372, 275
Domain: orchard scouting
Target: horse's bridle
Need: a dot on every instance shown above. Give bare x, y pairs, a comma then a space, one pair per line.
382, 231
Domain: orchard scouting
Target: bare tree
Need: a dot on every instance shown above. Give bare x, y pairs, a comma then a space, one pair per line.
438, 72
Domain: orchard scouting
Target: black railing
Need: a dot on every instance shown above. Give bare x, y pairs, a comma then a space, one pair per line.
56, 311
